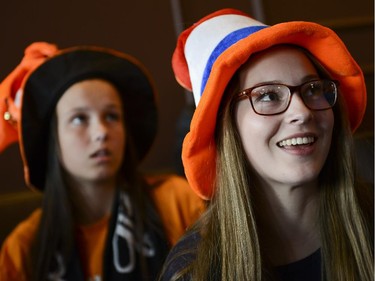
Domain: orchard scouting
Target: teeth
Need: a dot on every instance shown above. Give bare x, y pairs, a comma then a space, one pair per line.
296, 141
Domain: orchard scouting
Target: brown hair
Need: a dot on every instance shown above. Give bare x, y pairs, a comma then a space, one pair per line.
55, 232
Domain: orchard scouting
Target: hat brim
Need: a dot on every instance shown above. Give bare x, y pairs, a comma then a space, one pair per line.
49, 81
199, 148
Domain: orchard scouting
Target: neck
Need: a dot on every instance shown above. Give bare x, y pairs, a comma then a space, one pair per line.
92, 201
287, 222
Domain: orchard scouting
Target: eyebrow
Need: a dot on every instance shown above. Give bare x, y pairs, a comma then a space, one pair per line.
310, 77
305, 79
109, 105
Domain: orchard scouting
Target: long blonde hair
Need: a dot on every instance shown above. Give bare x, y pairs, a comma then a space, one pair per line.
230, 248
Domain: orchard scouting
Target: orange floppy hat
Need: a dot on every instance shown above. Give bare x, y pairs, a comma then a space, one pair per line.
11, 89
209, 53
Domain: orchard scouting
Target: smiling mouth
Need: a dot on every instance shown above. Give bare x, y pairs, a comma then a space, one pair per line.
296, 141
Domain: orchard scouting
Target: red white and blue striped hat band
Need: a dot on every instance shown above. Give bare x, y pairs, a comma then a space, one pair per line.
218, 36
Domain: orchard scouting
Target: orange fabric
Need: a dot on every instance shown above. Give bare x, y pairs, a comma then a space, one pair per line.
16, 247
91, 241
178, 206
179, 63
175, 202
35, 54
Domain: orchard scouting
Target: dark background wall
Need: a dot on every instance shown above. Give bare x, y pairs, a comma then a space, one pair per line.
147, 30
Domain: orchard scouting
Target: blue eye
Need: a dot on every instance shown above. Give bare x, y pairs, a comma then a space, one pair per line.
269, 93
268, 97
113, 116
314, 90
79, 119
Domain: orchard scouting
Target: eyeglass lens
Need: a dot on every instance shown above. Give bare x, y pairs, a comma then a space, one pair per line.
275, 98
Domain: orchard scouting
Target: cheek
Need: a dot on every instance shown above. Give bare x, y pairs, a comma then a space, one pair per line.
326, 122
119, 135
118, 142
244, 118
71, 146
331, 119
253, 128
256, 133
71, 140
327, 127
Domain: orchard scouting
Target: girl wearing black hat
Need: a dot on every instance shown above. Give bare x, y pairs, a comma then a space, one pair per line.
88, 117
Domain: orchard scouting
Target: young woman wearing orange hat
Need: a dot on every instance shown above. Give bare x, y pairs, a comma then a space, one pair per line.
270, 148
88, 116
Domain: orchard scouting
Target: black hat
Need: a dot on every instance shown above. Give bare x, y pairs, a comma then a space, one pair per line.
47, 83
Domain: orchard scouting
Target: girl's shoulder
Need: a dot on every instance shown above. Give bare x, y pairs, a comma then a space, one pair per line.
178, 206
174, 191
24, 232
17, 246
165, 179
181, 255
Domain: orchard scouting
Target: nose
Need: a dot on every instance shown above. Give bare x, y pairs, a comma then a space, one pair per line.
298, 112
99, 131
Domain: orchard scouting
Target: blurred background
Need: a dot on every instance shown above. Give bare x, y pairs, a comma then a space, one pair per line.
147, 29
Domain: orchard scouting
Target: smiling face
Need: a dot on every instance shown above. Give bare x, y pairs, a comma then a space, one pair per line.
290, 148
91, 131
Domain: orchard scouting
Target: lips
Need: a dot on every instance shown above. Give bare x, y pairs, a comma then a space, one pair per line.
100, 153
297, 141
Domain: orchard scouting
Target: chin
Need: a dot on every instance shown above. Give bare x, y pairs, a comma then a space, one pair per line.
306, 181
104, 177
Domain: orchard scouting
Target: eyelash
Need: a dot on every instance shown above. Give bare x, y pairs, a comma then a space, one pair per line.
80, 117
109, 116
113, 116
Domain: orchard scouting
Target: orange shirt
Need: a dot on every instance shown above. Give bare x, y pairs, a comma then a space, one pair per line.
178, 206
175, 202
16, 247
91, 242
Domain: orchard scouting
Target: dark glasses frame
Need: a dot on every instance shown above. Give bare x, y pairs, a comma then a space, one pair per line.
292, 89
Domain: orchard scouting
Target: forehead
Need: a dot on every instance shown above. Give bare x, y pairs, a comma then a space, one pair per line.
284, 64
92, 92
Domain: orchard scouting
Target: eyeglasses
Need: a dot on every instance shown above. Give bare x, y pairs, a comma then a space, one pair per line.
272, 99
